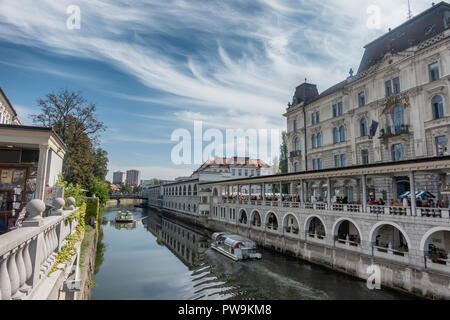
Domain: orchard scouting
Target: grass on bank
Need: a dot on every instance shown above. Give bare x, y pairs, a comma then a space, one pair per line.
87, 241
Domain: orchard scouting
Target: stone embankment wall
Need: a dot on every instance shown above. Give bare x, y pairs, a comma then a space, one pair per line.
407, 279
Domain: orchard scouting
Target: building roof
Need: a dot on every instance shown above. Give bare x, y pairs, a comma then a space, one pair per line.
414, 31
235, 161
420, 28
33, 128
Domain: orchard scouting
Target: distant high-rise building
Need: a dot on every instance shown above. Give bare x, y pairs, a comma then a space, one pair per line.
119, 177
134, 177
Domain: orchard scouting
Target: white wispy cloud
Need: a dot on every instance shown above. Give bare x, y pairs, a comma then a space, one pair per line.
227, 63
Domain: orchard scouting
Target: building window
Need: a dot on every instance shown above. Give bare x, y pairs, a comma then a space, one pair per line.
441, 145
338, 109
319, 140
365, 157
314, 141
313, 118
233, 172
317, 164
434, 71
240, 172
337, 161
317, 116
295, 125
397, 119
296, 167
397, 152
335, 135
396, 82
388, 86
438, 107
363, 127
342, 133
297, 144
343, 160
361, 99
246, 173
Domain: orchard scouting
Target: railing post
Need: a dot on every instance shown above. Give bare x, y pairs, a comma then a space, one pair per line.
35, 208
5, 283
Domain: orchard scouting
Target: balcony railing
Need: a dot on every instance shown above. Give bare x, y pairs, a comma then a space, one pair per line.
295, 154
394, 131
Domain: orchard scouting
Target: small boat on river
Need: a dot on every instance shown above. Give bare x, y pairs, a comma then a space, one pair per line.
124, 217
235, 247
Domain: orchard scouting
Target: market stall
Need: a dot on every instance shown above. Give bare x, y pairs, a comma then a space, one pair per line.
17, 188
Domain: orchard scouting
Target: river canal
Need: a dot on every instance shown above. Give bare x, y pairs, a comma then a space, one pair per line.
157, 258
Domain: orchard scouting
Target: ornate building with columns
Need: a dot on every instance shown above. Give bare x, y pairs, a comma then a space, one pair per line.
396, 107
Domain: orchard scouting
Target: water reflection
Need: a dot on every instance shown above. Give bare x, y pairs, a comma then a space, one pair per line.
160, 258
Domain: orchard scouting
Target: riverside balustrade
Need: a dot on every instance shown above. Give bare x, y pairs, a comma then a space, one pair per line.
351, 208
28, 253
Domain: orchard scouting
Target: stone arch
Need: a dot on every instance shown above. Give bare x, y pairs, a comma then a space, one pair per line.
426, 238
338, 224
189, 191
318, 226
184, 190
195, 189
271, 220
378, 226
291, 223
243, 217
256, 218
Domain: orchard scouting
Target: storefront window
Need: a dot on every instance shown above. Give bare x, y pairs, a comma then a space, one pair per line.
17, 188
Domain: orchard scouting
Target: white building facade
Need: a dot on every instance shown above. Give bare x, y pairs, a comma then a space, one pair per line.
7, 113
400, 96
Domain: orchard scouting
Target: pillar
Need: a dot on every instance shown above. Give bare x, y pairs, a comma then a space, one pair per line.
42, 171
329, 193
263, 191
364, 192
281, 192
412, 188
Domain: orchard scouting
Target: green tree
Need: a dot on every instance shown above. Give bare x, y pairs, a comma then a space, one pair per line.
74, 120
101, 190
101, 164
284, 154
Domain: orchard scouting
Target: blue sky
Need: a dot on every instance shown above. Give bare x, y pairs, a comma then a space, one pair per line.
155, 66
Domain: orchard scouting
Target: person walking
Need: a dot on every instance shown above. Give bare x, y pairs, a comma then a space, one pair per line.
405, 202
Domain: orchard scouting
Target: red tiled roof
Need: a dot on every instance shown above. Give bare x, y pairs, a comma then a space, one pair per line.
236, 161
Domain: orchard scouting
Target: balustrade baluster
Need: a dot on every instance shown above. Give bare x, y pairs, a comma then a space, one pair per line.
5, 282
13, 273
28, 264
21, 266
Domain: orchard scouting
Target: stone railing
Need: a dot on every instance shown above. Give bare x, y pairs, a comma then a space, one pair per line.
27, 254
351, 208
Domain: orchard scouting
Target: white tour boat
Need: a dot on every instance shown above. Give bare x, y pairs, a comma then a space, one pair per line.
234, 246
